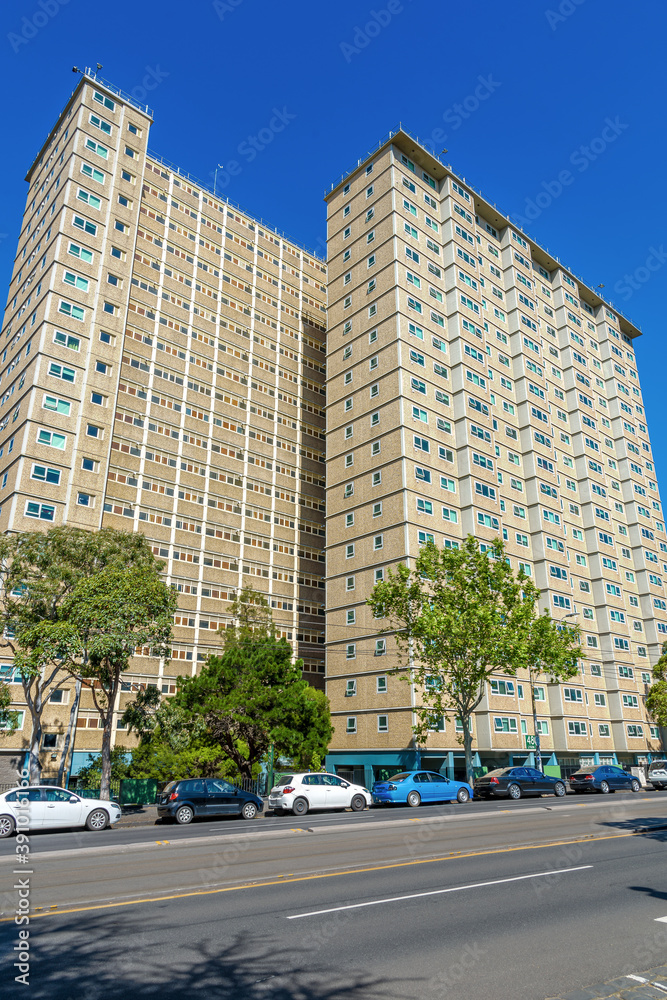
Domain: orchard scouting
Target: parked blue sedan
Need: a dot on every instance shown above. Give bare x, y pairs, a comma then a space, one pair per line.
415, 787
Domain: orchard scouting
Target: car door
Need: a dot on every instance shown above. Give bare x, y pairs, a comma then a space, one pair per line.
194, 791
29, 802
222, 798
315, 790
618, 778
521, 777
63, 808
441, 788
337, 792
424, 786
541, 782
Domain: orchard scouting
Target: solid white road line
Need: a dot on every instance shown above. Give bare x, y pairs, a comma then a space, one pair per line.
661, 920
438, 892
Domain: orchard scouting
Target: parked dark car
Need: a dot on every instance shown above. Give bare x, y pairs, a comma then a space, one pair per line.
198, 798
603, 778
513, 782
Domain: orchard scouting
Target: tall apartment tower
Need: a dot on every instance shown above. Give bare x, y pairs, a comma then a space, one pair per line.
163, 372
475, 385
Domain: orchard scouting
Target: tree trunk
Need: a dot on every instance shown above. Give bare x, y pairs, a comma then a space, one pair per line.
467, 746
105, 778
34, 763
70, 729
107, 721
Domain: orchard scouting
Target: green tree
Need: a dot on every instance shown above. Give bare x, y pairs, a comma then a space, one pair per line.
174, 743
253, 694
38, 573
106, 618
8, 717
459, 616
656, 699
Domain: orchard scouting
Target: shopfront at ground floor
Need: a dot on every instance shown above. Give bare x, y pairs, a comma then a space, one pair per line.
368, 766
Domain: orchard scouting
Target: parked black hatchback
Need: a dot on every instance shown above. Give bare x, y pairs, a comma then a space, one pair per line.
205, 797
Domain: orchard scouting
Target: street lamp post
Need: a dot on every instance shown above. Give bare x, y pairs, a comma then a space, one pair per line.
215, 178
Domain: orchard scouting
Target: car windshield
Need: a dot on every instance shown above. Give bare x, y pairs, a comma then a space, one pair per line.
287, 780
400, 777
169, 787
498, 771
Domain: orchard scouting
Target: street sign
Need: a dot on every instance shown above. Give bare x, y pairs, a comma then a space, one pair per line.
531, 743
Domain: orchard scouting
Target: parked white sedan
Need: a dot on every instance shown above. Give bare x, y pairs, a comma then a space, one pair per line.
317, 790
47, 807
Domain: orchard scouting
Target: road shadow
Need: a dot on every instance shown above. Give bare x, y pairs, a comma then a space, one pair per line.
643, 826
649, 891
142, 957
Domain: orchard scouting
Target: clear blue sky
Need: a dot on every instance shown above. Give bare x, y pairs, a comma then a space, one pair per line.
548, 75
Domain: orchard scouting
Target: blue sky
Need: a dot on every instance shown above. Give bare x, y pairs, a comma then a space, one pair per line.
293, 93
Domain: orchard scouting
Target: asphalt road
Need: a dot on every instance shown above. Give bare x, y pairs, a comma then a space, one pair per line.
517, 903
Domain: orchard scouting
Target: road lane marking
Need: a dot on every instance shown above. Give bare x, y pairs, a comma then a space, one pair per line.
452, 856
661, 920
436, 892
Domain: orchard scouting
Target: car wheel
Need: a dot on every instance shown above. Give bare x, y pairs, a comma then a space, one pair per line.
300, 807
414, 799
463, 795
635, 786
185, 815
514, 792
249, 810
7, 826
559, 789
604, 787
358, 803
97, 819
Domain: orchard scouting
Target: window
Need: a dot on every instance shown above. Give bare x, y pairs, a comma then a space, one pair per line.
51, 439
351, 651
381, 685
502, 724
42, 511
44, 474
603, 729
378, 542
76, 251
93, 431
350, 688
57, 405
424, 506
575, 728
84, 500
573, 695
502, 687
69, 309
380, 647
351, 724
349, 583
377, 509
87, 227
383, 723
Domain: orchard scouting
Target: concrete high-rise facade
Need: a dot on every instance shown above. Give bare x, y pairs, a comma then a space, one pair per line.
163, 371
475, 385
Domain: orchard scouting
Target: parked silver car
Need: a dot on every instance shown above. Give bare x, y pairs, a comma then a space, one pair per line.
657, 774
